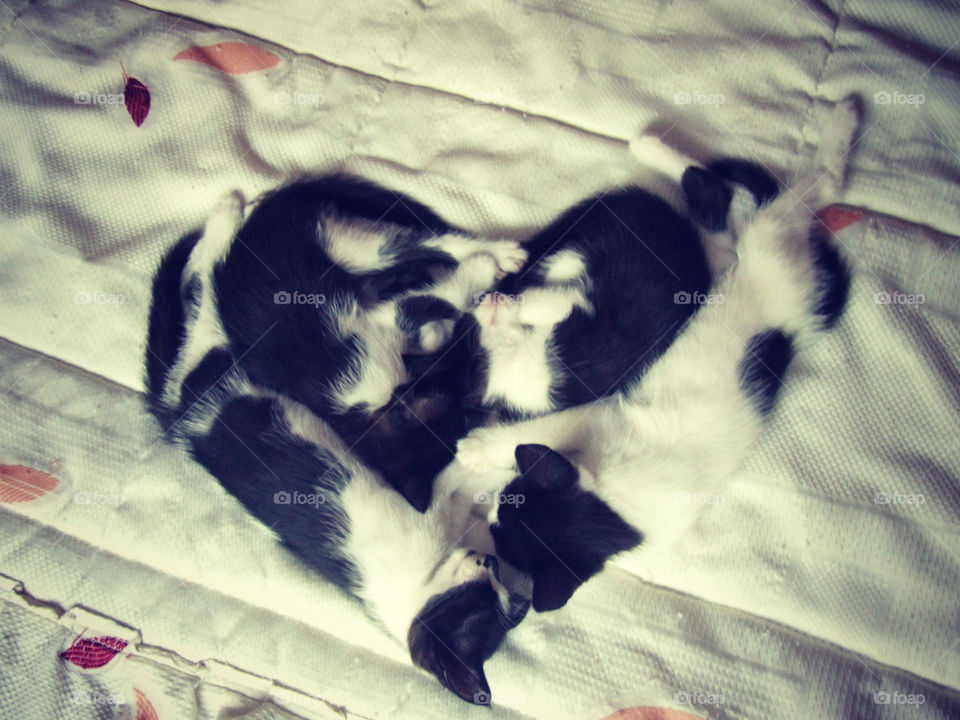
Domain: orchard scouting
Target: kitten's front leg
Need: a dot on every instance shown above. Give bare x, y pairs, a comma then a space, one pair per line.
508, 254
493, 447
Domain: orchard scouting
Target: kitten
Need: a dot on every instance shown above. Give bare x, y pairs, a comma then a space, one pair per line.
607, 287
294, 473
687, 425
601, 297
328, 292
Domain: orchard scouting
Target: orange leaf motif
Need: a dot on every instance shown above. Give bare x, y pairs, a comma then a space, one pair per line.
836, 219
145, 709
233, 58
651, 713
19, 483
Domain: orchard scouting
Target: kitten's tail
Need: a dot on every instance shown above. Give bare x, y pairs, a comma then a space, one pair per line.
651, 151
180, 286
707, 187
824, 180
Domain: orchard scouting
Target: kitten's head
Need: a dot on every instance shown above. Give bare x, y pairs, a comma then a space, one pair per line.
552, 529
464, 621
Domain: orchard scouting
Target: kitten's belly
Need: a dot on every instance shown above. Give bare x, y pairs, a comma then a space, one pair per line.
521, 382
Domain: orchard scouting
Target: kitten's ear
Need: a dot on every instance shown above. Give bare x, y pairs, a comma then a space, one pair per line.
545, 467
553, 585
708, 197
462, 677
468, 683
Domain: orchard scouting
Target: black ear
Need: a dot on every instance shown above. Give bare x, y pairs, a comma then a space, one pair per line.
462, 675
416, 491
468, 683
545, 467
553, 585
708, 197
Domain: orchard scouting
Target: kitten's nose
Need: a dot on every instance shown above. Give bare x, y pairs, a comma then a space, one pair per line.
471, 553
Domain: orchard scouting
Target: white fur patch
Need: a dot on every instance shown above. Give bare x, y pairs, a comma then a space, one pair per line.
564, 266
355, 245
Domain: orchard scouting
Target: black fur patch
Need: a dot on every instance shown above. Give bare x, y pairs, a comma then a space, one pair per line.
415, 311
762, 367
253, 455
833, 279
755, 178
167, 322
708, 198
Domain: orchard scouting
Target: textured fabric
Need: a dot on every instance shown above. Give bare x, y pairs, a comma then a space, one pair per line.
822, 584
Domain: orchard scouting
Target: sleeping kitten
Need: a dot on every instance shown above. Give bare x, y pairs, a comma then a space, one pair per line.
294, 473
600, 298
688, 424
327, 293
607, 287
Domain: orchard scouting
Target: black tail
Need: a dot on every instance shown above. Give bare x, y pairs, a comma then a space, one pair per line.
167, 326
708, 195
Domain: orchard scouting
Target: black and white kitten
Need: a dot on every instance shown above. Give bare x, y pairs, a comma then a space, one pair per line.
602, 478
601, 297
328, 292
607, 287
294, 473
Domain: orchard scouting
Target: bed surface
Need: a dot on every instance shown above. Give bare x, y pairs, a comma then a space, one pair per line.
822, 584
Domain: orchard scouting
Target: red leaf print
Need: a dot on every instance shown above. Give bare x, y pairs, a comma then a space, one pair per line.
836, 219
145, 709
136, 97
233, 58
651, 713
94, 652
19, 483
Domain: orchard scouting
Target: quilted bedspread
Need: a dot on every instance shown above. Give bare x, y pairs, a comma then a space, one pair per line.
823, 584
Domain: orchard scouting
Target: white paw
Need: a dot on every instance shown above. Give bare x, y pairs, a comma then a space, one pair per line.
509, 255
481, 451
434, 335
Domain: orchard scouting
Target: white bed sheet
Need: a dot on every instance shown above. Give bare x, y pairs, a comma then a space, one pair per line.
801, 590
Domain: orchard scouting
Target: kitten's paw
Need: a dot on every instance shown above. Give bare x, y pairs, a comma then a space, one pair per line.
509, 255
484, 450
434, 335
